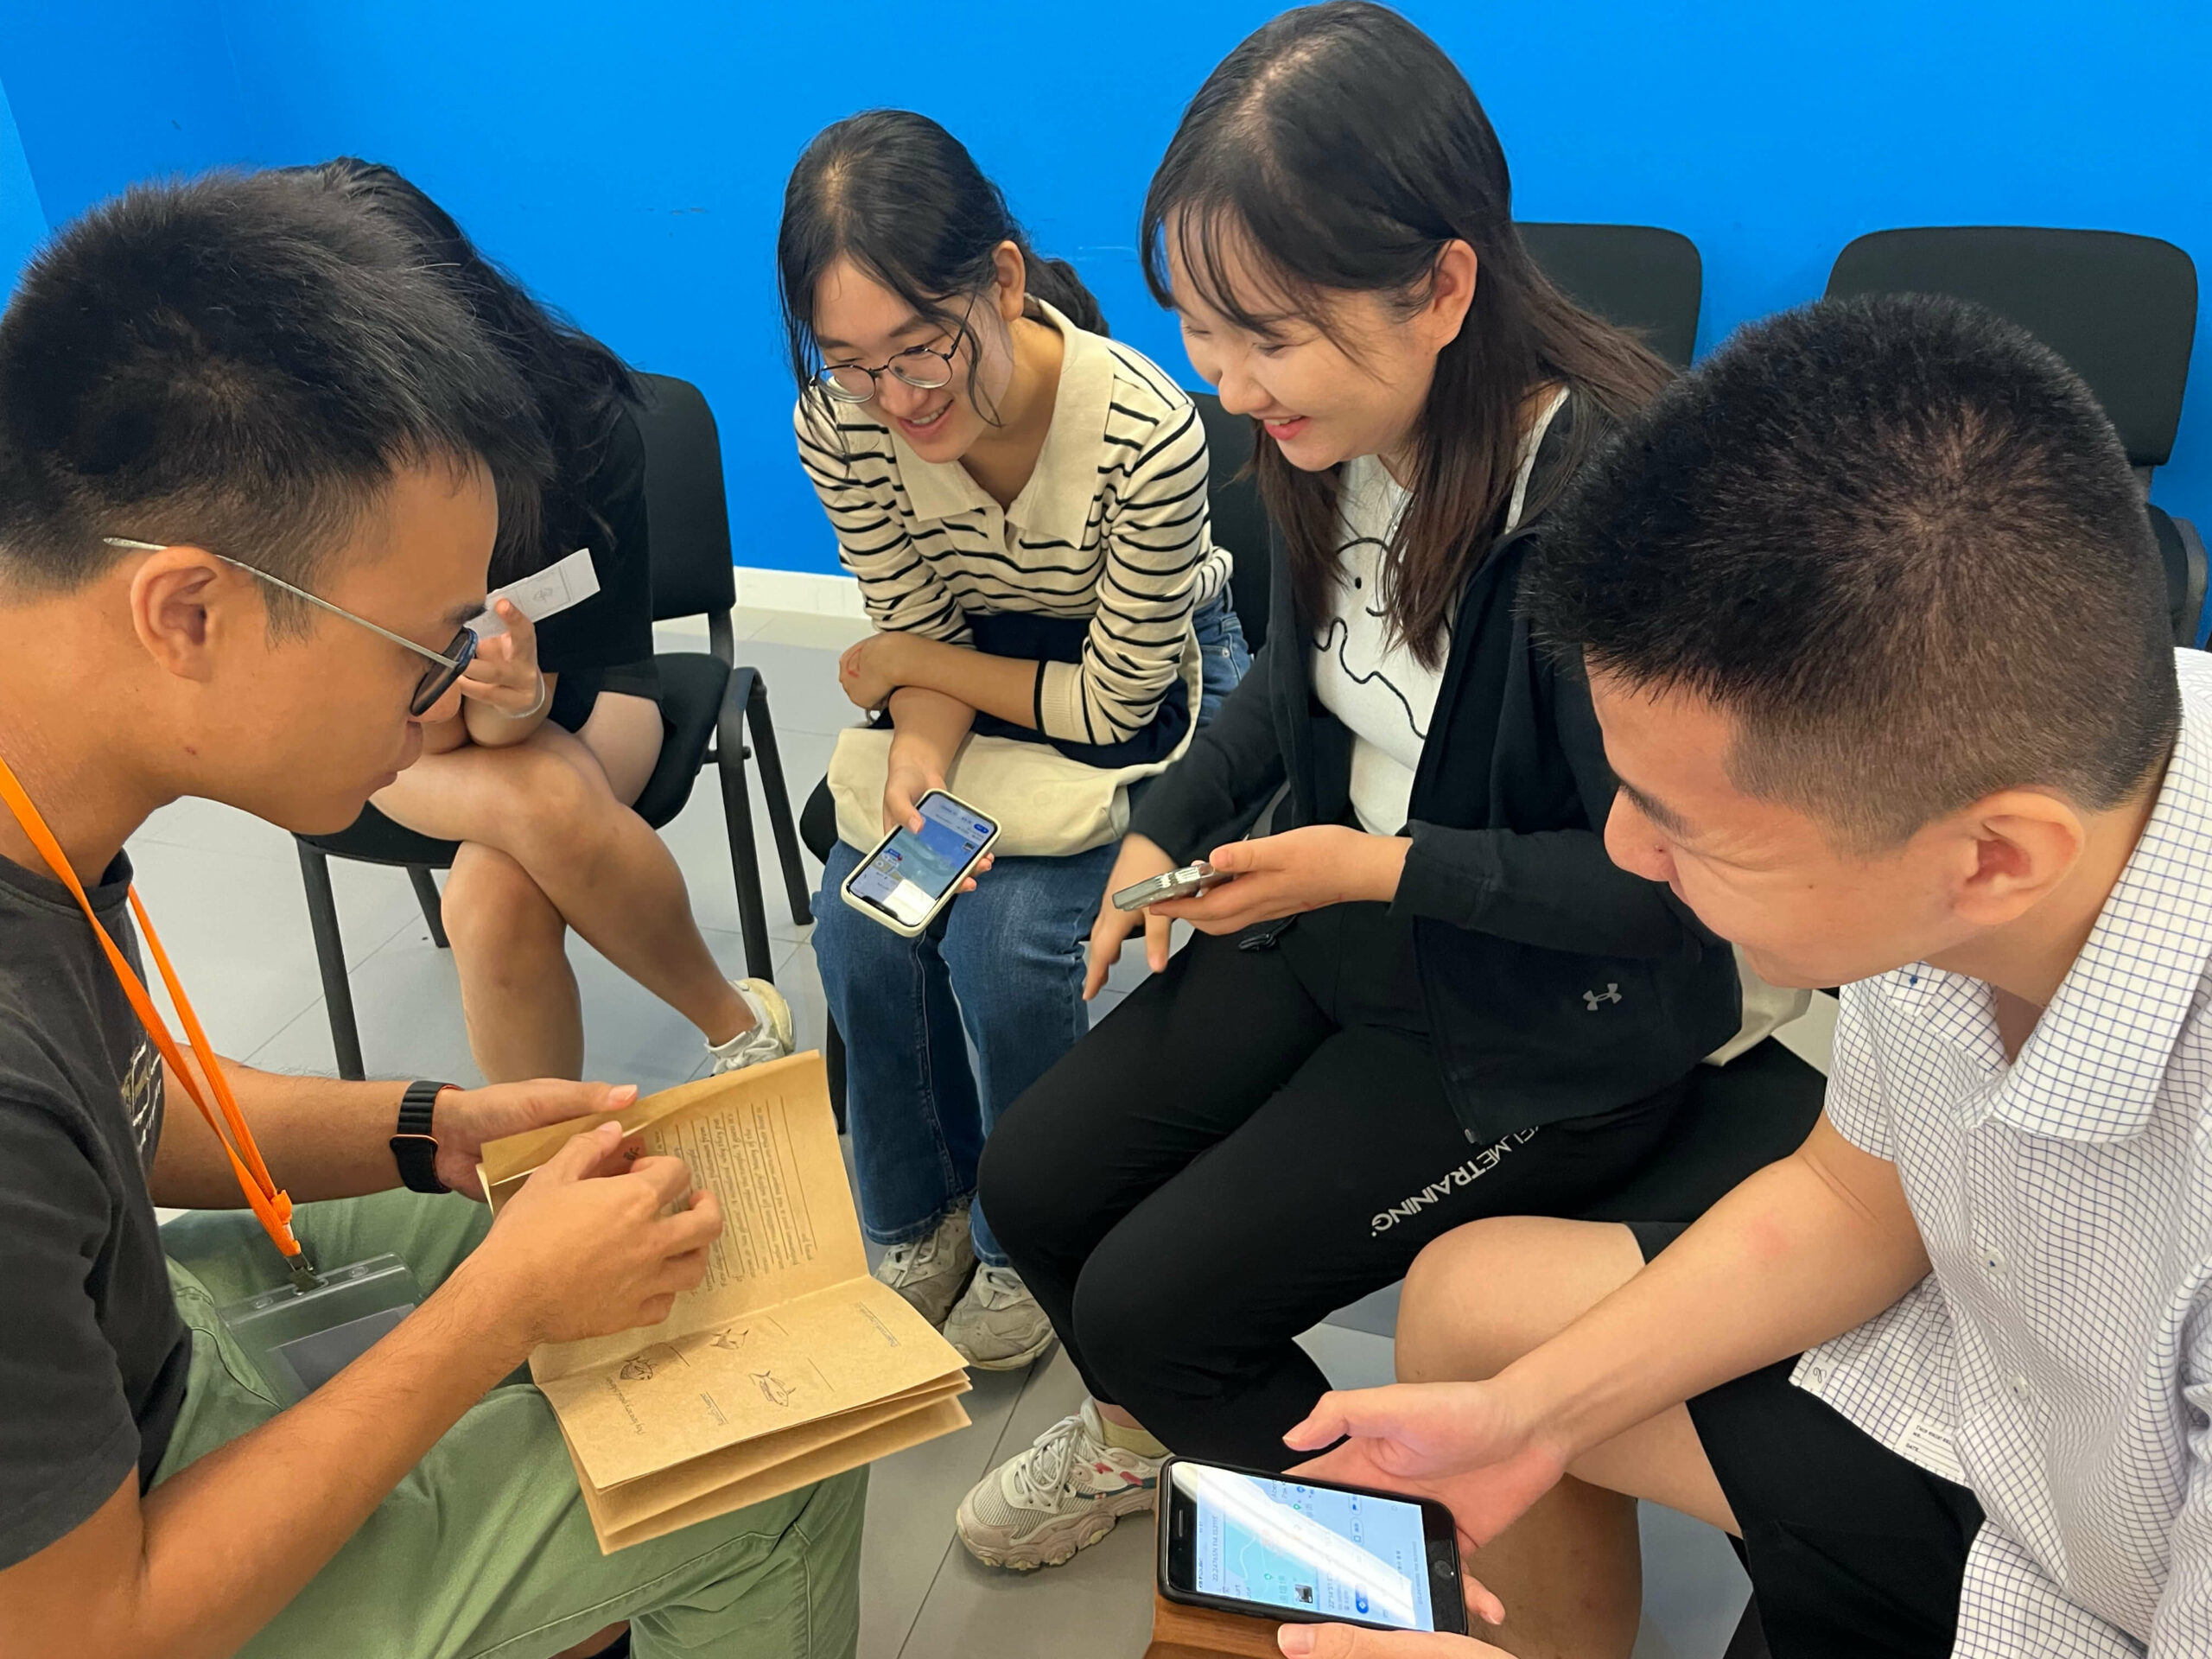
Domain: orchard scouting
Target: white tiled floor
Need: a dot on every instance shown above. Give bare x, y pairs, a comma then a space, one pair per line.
226, 891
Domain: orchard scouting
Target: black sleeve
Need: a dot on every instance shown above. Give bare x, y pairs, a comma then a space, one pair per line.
67, 1438
1234, 764
615, 624
1557, 888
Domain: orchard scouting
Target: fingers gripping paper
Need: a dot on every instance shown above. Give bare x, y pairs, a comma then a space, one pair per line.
788, 1363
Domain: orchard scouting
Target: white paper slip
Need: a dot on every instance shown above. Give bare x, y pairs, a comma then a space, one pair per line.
552, 591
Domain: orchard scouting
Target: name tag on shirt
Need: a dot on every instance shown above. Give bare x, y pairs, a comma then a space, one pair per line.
556, 588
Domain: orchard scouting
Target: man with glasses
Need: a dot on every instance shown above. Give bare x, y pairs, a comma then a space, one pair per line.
251, 454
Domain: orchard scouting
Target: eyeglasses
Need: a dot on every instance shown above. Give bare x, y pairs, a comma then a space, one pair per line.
923, 367
449, 664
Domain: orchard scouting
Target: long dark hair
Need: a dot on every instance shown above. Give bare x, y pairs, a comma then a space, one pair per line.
1338, 149
901, 198
580, 386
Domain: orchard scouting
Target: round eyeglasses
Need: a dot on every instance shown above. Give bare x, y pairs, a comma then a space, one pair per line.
924, 367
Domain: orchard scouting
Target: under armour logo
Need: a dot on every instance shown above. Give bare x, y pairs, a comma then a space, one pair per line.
1610, 993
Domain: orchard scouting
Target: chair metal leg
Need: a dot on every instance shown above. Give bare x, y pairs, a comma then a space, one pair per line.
330, 958
433, 910
780, 800
833, 1061
737, 815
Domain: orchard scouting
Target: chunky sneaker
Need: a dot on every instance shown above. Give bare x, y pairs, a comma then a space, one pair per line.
930, 1273
769, 1036
997, 1326
1063, 1494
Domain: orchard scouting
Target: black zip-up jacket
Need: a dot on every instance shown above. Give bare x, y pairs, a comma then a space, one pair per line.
1557, 984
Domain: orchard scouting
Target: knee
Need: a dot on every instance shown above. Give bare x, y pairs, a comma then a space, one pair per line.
557, 817
1127, 1311
493, 910
1483, 1296
1029, 1185
851, 951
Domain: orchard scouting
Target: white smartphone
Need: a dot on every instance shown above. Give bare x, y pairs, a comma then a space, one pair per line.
908, 878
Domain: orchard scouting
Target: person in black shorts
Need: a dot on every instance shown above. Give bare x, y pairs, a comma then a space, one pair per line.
1876, 628
561, 726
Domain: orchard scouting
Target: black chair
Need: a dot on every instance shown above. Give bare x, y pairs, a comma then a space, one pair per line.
2120, 308
1239, 523
1636, 277
708, 700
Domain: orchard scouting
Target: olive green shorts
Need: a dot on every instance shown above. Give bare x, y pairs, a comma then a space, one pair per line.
484, 1549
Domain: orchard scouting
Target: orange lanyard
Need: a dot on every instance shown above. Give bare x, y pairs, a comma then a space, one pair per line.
272, 1206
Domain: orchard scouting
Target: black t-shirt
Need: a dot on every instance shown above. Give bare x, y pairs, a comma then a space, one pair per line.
615, 627
93, 1355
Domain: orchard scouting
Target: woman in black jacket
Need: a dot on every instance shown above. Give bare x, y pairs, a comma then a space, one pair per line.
1428, 995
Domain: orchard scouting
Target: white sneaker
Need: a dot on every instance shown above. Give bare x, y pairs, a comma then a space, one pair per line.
930, 1273
769, 1036
997, 1326
1063, 1494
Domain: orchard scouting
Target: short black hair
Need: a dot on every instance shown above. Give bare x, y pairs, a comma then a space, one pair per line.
1898, 541
240, 361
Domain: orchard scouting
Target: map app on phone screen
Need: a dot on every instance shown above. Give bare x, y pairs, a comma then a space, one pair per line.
1310, 1549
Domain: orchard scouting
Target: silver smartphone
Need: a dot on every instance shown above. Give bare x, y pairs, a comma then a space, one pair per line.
1185, 883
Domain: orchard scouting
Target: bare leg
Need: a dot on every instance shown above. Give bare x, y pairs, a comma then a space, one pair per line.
548, 805
1570, 1571
594, 1645
517, 989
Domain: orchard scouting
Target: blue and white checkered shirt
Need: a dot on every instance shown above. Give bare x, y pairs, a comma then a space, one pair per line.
2058, 1359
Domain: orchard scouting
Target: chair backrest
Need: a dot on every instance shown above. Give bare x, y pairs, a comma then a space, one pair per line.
1636, 277
686, 513
1240, 522
2120, 308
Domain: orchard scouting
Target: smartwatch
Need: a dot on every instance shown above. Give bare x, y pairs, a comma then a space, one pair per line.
414, 1149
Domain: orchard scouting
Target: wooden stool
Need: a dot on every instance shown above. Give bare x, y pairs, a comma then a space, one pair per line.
1180, 1633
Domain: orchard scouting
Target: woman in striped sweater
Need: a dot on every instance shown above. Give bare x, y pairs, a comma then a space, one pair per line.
1023, 503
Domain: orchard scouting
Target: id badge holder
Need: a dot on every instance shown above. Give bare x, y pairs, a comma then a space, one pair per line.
298, 1339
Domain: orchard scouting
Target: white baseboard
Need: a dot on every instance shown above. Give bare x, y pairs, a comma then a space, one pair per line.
812, 591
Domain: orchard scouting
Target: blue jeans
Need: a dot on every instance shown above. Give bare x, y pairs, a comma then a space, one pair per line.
1006, 975
1222, 657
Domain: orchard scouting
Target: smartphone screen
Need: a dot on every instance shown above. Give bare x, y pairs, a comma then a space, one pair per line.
908, 875
1308, 1549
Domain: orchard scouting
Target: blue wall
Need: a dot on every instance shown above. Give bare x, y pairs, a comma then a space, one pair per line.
628, 161
22, 219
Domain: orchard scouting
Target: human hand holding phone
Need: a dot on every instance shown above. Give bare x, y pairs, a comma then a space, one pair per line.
913, 771
1140, 859
1289, 874
1465, 1445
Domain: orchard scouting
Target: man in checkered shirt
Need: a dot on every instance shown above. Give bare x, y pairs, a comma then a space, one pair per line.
1878, 633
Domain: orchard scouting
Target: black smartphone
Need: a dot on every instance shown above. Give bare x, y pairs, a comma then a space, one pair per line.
1306, 1552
